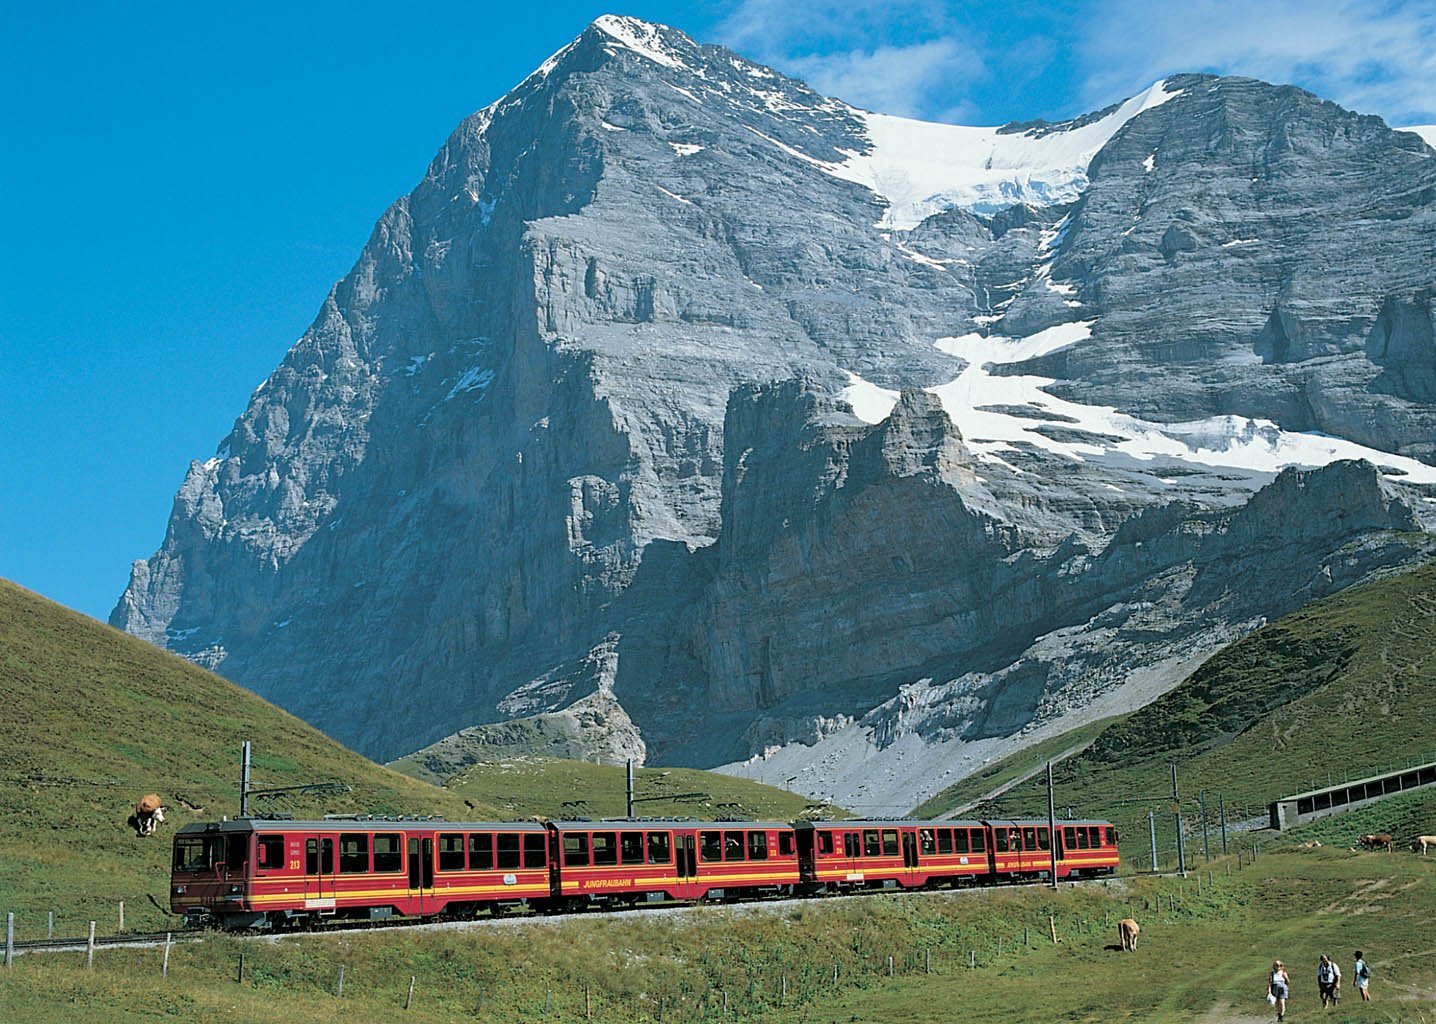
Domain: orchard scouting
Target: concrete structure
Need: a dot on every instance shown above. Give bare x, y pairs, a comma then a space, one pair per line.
1290, 811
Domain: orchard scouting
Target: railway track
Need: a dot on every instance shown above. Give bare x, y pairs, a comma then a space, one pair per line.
122, 940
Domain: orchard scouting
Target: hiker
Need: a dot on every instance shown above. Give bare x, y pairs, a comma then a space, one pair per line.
1363, 977
1328, 981
1278, 988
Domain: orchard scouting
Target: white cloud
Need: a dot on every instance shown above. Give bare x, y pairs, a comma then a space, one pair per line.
902, 57
1373, 57
891, 79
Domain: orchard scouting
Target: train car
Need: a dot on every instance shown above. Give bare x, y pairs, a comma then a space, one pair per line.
884, 854
1022, 849
624, 862
1088, 849
268, 873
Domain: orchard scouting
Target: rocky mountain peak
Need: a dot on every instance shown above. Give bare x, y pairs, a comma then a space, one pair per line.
709, 414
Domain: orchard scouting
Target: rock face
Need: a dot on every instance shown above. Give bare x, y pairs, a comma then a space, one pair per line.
685, 413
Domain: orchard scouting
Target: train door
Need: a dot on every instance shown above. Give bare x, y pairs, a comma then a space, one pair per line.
421, 875
909, 857
319, 872
685, 866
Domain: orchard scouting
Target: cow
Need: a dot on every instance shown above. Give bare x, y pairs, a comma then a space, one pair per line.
1423, 842
1127, 930
149, 815
1380, 841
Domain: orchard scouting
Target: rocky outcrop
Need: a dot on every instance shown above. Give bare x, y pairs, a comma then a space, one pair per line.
596, 433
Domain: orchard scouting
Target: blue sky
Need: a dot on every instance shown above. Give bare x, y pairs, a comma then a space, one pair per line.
182, 183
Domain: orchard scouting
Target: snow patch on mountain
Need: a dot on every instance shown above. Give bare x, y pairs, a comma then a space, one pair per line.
921, 168
1426, 131
980, 401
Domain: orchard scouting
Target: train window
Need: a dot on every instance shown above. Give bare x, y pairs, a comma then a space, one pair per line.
238, 852
925, 842
658, 848
1095, 836
388, 851
786, 844
354, 854
271, 852
944, 840
852, 846
960, 840
825, 842
872, 843
890, 842
1111, 835
1083, 842
999, 840
508, 856
630, 847
710, 846
451, 852
757, 846
979, 841
1043, 842
732, 845
1070, 838
481, 851
535, 850
192, 854
575, 849
1029, 839
605, 848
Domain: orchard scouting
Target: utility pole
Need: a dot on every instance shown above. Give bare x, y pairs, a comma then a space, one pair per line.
1051, 825
1206, 843
1152, 828
630, 788
1222, 811
1177, 813
244, 780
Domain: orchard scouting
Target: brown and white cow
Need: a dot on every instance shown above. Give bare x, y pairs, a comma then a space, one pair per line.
1127, 930
1422, 842
149, 815
1379, 841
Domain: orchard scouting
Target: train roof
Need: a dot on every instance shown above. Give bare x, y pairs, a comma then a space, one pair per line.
356, 823
588, 825
943, 823
890, 823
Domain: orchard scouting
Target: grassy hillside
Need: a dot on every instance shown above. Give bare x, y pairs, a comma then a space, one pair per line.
98, 718
94, 720
556, 788
1343, 688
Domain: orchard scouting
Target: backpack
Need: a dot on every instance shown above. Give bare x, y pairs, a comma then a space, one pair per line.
1365, 971
1325, 974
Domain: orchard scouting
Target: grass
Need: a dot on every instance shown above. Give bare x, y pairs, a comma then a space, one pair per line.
557, 788
96, 719
1204, 948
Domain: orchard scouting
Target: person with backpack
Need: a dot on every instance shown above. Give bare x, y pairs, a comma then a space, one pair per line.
1278, 988
1362, 970
1328, 981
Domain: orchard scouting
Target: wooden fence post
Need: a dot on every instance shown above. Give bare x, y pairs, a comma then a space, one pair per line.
1052, 924
165, 966
409, 999
90, 947
339, 994
122, 915
9, 939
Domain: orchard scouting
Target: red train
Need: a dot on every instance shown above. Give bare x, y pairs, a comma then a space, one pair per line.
269, 873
